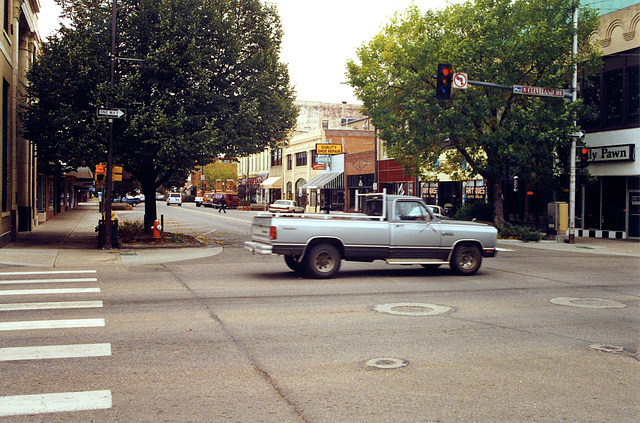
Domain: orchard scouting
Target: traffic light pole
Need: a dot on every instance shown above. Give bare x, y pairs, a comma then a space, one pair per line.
574, 138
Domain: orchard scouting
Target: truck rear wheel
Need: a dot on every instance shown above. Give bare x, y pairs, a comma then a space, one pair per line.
466, 259
294, 264
323, 261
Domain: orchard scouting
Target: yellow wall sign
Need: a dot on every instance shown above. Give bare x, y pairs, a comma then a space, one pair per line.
328, 149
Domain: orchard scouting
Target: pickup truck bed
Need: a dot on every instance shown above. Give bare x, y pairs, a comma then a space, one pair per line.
398, 229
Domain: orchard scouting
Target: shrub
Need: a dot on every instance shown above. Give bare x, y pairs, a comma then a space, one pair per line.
509, 231
189, 199
130, 228
478, 210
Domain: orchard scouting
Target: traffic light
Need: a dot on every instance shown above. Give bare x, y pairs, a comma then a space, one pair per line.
584, 156
443, 81
101, 171
116, 173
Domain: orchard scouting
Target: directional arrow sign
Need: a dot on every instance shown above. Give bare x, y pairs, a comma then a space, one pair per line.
111, 113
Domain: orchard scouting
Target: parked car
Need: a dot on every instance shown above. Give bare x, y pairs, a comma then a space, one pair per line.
134, 201
232, 201
174, 198
285, 206
159, 196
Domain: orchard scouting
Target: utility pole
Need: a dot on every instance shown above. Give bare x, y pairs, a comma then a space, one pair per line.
108, 224
574, 137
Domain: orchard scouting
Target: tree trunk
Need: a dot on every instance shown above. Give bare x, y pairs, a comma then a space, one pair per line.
498, 203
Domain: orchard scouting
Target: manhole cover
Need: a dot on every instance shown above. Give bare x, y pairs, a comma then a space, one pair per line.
587, 302
411, 309
606, 348
386, 363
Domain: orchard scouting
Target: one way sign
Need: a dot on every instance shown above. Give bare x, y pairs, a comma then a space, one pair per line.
111, 113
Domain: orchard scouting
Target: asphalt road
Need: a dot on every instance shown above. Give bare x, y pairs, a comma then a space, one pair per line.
535, 336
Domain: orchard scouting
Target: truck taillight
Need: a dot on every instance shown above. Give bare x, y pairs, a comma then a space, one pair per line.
273, 232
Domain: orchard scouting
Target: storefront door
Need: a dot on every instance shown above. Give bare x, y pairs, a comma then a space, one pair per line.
634, 214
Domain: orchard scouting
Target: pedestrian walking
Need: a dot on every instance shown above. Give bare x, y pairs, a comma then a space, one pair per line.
223, 205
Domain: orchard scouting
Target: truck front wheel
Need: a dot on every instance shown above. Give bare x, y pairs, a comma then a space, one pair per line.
323, 261
466, 259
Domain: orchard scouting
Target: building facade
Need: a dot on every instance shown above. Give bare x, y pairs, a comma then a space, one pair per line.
18, 180
609, 201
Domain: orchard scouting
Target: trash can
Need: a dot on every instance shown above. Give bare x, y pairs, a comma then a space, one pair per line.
114, 233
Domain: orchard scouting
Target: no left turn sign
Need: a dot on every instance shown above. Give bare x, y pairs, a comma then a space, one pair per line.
460, 80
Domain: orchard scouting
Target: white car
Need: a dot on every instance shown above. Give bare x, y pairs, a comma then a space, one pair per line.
174, 198
285, 206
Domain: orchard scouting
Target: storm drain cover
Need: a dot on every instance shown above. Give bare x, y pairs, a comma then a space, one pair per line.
411, 309
386, 363
587, 302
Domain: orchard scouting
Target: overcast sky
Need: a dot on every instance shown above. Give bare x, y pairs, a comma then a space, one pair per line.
319, 38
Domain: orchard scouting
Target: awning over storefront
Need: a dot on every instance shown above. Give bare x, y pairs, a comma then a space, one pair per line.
326, 180
271, 183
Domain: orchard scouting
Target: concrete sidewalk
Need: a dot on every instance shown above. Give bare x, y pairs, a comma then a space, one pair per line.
70, 240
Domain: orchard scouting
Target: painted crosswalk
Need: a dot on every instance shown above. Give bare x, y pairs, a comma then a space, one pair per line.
11, 288
20, 405
54, 351
50, 305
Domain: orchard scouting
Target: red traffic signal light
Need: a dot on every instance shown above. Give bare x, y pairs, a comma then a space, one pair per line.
443, 81
584, 156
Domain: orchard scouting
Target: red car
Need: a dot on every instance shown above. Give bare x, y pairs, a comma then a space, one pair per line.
232, 201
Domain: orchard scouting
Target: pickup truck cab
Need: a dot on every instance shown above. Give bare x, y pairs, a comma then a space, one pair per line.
398, 229
203, 200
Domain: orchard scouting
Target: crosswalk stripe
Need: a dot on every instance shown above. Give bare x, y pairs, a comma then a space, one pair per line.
48, 291
53, 403
47, 272
51, 324
20, 281
51, 305
54, 351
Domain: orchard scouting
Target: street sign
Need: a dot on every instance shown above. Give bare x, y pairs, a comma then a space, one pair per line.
460, 80
111, 113
328, 149
540, 91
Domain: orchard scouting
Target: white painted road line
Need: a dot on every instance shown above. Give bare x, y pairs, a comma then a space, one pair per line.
55, 351
52, 324
16, 282
49, 306
47, 272
49, 291
53, 403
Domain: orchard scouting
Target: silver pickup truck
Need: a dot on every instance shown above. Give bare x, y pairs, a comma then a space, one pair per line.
398, 229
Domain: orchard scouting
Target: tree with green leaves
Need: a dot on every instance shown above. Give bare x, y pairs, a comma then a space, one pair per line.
198, 78
220, 170
481, 130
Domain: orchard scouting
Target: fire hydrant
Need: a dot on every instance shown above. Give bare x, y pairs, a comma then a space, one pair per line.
156, 229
